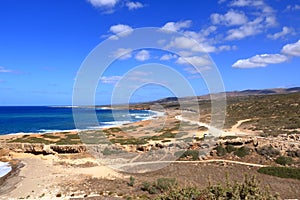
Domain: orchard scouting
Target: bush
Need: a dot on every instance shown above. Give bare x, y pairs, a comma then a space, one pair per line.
242, 152
249, 189
282, 160
131, 181
221, 151
160, 185
268, 151
282, 172
194, 154
230, 148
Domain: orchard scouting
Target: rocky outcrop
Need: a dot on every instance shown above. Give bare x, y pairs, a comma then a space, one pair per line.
39, 148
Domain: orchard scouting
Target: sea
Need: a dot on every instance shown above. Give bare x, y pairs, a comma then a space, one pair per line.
45, 119
42, 119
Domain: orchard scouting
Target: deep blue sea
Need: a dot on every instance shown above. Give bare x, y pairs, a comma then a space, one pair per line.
40, 119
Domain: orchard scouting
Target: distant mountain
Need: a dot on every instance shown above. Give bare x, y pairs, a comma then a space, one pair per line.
238, 93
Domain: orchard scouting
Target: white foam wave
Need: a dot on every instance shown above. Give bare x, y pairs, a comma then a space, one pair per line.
5, 168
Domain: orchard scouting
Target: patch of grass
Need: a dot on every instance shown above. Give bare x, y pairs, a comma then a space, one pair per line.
128, 141
165, 134
31, 140
50, 136
282, 172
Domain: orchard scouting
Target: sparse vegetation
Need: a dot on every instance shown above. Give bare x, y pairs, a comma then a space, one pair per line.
268, 151
191, 155
249, 189
283, 160
159, 186
282, 172
242, 151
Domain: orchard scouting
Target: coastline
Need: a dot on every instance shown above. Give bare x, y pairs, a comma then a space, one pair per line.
112, 124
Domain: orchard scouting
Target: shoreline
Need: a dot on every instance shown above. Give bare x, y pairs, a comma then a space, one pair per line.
157, 114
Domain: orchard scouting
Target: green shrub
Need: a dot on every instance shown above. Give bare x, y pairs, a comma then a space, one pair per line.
159, 186
283, 172
230, 148
268, 151
164, 184
194, 154
283, 160
242, 152
221, 151
249, 189
131, 181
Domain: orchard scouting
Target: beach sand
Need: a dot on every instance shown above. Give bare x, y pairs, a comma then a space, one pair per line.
40, 176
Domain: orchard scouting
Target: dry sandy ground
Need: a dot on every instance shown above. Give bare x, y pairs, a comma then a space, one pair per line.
41, 175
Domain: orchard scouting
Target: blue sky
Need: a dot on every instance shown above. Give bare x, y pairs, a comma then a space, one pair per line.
253, 43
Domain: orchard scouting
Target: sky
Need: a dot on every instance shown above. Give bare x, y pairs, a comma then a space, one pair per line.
46, 46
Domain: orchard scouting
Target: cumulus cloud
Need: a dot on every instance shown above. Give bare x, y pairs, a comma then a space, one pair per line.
122, 53
142, 55
292, 49
260, 61
285, 31
134, 5
110, 79
190, 44
249, 29
231, 18
259, 21
177, 26
168, 57
103, 3
120, 30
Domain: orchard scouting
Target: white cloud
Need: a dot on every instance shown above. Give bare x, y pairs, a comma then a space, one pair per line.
190, 44
208, 31
168, 57
177, 26
122, 53
292, 49
231, 18
142, 55
103, 3
285, 31
227, 47
121, 29
249, 29
243, 3
110, 79
260, 61
293, 7
3, 70
134, 5
198, 61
